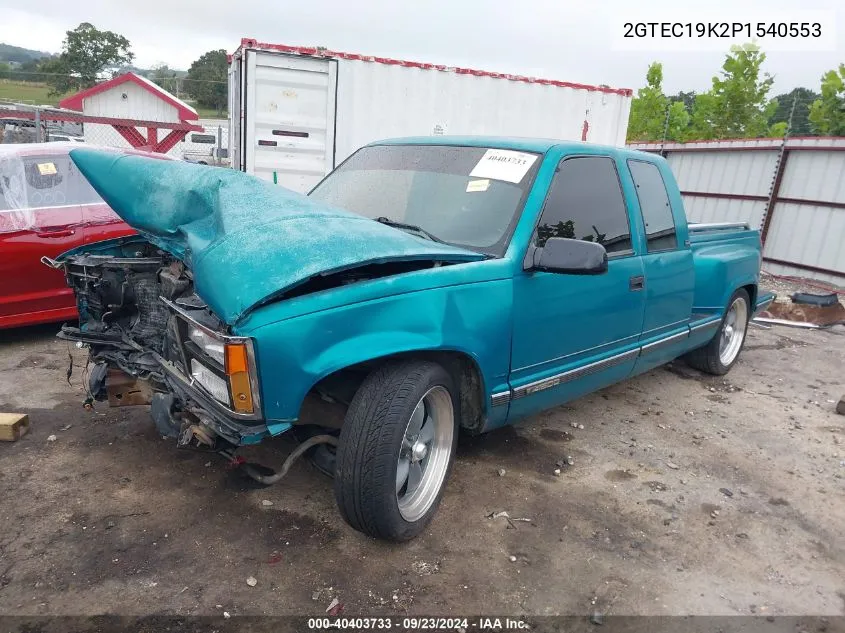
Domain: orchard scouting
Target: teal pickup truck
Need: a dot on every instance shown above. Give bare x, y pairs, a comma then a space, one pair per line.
426, 287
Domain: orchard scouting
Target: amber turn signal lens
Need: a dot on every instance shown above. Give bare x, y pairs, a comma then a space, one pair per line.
235, 359
241, 392
237, 369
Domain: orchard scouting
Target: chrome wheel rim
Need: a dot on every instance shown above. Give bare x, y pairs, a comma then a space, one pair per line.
425, 453
733, 331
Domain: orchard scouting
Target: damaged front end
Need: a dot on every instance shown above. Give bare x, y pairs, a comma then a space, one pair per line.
153, 340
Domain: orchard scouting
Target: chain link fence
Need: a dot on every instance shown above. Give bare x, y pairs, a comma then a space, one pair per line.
204, 141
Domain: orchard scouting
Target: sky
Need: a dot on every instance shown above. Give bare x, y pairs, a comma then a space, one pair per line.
559, 39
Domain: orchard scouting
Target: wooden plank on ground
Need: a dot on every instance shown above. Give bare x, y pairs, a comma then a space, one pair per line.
13, 426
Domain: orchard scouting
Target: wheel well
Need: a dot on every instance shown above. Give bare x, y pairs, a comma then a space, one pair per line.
751, 289
339, 387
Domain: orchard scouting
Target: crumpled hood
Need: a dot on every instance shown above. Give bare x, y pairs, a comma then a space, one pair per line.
245, 240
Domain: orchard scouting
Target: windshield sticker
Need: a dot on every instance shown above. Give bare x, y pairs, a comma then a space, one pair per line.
477, 185
47, 169
503, 164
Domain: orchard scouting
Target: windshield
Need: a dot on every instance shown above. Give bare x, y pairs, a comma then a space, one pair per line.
467, 196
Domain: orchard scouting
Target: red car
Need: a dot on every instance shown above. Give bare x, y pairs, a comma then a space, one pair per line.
46, 207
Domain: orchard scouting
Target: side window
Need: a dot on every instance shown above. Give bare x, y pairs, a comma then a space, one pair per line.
585, 202
655, 207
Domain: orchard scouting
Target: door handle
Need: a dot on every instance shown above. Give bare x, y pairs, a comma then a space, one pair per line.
54, 234
636, 283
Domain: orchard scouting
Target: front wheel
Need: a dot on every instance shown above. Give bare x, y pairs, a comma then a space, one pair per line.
396, 450
722, 352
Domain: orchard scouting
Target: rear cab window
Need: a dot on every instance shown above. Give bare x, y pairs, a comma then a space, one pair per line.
656, 210
585, 202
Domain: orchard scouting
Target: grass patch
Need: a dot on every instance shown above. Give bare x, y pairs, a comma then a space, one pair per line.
27, 92
210, 113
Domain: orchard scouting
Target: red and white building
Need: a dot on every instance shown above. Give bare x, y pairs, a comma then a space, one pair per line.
146, 116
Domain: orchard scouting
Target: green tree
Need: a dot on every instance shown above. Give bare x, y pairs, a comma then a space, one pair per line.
649, 109
736, 106
827, 114
687, 98
5, 71
206, 80
28, 70
162, 75
86, 54
803, 98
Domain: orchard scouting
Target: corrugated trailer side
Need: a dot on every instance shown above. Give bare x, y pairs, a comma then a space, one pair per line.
300, 112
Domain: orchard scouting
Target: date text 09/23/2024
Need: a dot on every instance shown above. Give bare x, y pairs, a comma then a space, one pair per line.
459, 624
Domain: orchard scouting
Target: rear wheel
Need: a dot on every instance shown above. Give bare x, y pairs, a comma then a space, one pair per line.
396, 450
722, 352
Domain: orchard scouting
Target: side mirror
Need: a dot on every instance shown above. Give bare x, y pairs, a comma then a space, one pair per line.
574, 257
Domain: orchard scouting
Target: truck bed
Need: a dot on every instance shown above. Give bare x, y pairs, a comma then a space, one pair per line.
726, 256
722, 232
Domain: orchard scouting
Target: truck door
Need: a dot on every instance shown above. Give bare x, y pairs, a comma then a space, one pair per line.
289, 119
669, 271
576, 333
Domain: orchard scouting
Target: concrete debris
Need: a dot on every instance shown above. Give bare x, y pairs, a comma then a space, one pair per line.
840, 406
501, 472
557, 472
335, 607
251, 581
512, 558
570, 461
574, 425
422, 568
672, 465
226, 615
51, 438
266, 503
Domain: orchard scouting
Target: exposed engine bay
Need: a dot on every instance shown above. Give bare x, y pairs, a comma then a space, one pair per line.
118, 301
151, 340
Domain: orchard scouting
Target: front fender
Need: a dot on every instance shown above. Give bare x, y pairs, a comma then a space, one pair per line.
294, 354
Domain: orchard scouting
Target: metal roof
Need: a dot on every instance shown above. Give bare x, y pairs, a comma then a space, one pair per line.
316, 51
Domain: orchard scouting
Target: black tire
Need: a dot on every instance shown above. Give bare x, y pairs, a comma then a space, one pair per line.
370, 443
707, 358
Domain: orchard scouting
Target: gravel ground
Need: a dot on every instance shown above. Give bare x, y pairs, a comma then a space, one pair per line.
687, 494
